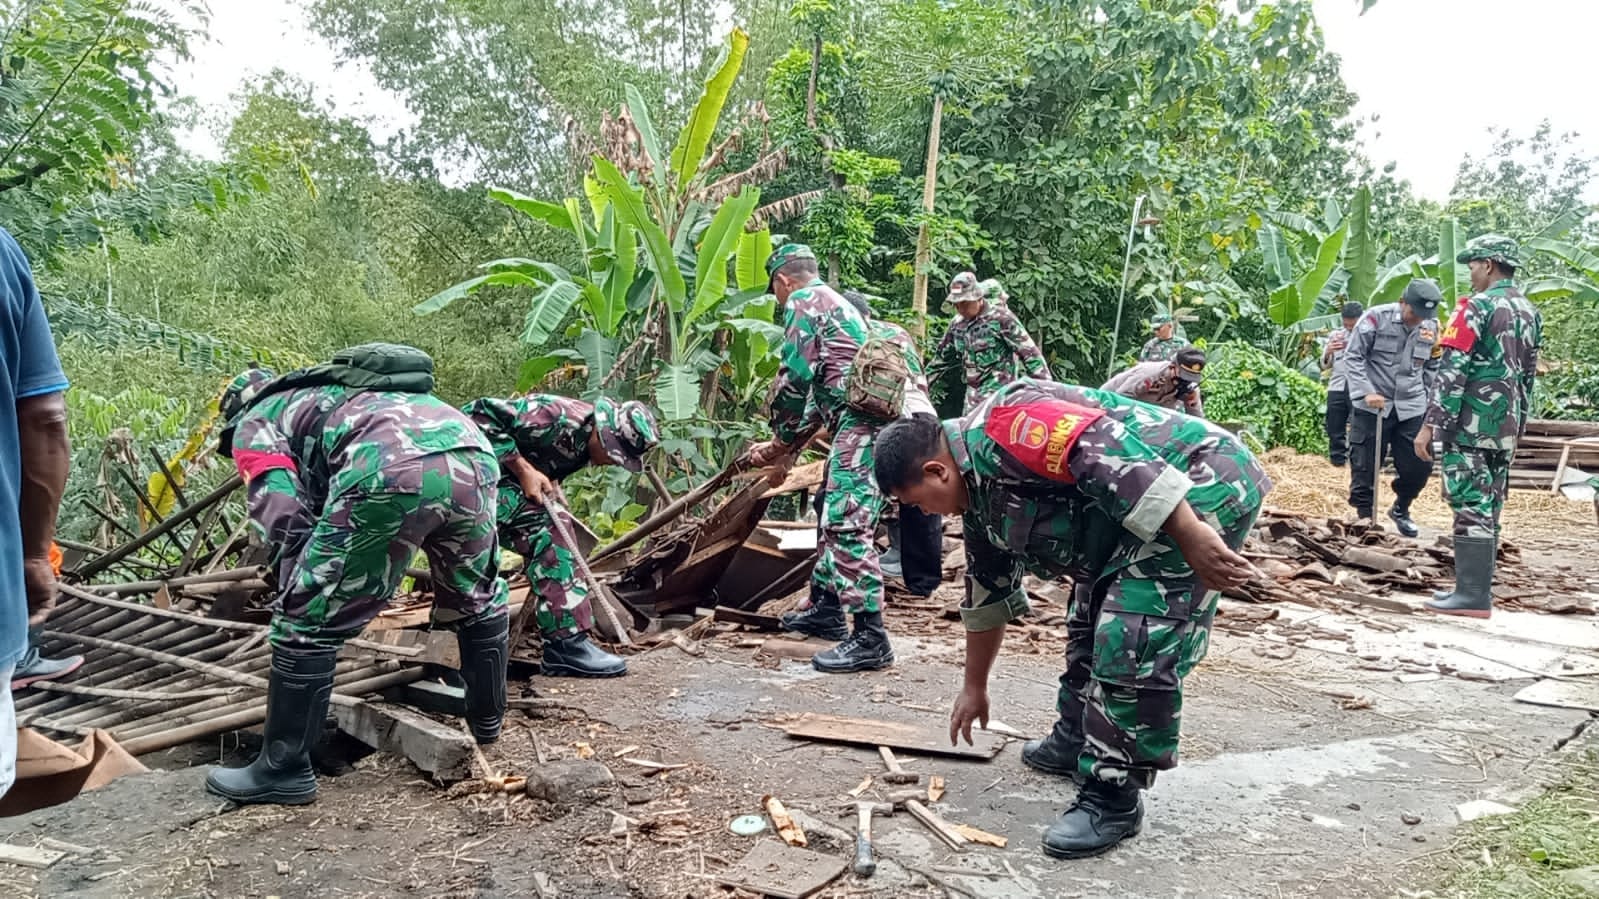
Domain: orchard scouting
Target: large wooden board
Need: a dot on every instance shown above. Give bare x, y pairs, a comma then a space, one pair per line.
1564, 694
929, 738
787, 872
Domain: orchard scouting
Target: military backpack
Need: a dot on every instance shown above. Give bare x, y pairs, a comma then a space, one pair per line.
876, 382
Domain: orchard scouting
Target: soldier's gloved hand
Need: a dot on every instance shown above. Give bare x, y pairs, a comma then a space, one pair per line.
1424, 443
971, 705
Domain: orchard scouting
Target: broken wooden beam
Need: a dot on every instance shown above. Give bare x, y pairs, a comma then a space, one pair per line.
748, 619
441, 751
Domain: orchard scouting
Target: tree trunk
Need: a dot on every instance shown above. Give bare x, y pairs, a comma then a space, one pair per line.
924, 249
810, 89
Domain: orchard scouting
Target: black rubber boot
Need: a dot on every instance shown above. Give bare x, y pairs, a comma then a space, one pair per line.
485, 653
1474, 578
298, 691
1103, 815
577, 656
866, 650
1057, 753
1400, 513
825, 617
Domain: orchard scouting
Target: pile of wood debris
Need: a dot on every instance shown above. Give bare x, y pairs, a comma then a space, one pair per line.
1348, 565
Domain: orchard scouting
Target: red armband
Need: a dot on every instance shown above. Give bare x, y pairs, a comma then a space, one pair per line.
254, 462
1040, 435
1458, 334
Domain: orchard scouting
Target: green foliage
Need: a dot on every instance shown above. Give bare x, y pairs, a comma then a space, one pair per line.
1278, 405
1569, 390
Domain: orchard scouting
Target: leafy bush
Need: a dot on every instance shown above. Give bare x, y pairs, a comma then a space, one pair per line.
1569, 391
1278, 405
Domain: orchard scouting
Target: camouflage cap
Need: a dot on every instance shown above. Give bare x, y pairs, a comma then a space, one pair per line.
783, 255
236, 397
963, 288
993, 290
627, 431
1493, 247
1156, 321
1190, 362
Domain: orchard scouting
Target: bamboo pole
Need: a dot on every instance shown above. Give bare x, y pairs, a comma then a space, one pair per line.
127, 549
255, 572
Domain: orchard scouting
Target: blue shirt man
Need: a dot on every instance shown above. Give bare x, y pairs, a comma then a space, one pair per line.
33, 460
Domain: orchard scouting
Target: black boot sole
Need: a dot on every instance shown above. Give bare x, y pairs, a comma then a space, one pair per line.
265, 797
569, 671
877, 664
1088, 853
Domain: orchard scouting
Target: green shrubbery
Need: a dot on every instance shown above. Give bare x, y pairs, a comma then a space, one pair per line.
1276, 404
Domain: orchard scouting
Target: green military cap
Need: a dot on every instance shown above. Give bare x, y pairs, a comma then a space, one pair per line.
1156, 321
993, 290
236, 397
627, 431
782, 256
1493, 247
963, 288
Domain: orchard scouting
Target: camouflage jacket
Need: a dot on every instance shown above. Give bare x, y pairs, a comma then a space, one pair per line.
1071, 480
1156, 382
1387, 357
1157, 350
992, 349
916, 398
1490, 360
550, 432
821, 334
301, 448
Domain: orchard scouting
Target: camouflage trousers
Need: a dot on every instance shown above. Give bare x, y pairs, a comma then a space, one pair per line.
1475, 484
356, 554
846, 554
560, 598
1135, 633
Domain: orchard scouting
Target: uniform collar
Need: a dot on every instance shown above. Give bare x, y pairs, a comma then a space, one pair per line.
955, 435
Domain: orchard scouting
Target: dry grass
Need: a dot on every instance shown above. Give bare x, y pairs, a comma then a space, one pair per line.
1310, 485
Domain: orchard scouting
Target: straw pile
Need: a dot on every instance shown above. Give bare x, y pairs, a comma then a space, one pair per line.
1311, 486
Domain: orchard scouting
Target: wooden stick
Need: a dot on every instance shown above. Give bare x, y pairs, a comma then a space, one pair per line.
172, 483
234, 536
254, 572
672, 512
155, 515
201, 533
145, 695
127, 549
109, 519
556, 511
940, 828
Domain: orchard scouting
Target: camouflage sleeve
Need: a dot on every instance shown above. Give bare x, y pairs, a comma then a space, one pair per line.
1449, 388
1360, 344
1126, 478
516, 426
792, 389
1021, 344
1529, 369
279, 519
945, 359
994, 593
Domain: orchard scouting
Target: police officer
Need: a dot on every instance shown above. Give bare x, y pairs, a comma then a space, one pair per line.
1173, 384
1479, 410
1390, 362
1165, 344
1145, 508
1332, 361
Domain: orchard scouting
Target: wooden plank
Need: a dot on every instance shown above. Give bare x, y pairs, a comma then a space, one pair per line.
1563, 694
748, 619
28, 856
786, 872
439, 750
931, 738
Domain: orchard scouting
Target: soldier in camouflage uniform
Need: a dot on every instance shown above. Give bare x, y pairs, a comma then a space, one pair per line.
822, 334
1479, 409
345, 486
1165, 345
1145, 509
985, 341
540, 440
1174, 384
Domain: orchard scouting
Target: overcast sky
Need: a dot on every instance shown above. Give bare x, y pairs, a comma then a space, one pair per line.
1419, 66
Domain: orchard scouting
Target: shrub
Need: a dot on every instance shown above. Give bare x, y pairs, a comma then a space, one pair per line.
1279, 406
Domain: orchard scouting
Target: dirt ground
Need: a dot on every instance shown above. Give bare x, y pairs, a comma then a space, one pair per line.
1301, 765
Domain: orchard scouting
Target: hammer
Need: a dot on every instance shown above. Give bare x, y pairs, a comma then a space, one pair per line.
865, 864
896, 774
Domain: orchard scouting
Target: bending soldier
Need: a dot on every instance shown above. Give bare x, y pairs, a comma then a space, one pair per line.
540, 440
351, 468
1145, 508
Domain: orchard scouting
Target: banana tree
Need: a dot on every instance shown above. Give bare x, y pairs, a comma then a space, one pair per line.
670, 300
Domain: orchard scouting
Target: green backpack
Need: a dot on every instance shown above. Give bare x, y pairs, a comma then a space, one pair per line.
876, 382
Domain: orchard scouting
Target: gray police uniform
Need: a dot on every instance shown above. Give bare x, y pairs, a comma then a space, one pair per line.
1398, 362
